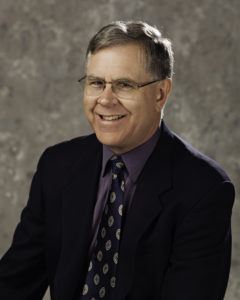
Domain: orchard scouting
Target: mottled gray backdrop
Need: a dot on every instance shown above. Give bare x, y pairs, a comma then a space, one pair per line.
42, 48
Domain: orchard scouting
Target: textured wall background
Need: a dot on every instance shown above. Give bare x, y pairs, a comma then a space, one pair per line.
42, 47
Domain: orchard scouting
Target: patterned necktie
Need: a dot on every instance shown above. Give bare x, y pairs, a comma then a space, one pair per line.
101, 277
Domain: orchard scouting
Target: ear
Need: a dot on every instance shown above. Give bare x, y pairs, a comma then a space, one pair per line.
164, 87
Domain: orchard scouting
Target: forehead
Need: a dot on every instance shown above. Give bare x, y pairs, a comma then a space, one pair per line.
118, 61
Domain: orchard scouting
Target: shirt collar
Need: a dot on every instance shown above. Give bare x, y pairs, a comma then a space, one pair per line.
134, 159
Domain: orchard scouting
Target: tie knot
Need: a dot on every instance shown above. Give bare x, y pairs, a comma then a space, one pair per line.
117, 164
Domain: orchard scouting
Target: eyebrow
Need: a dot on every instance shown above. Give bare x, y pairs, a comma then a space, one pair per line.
125, 79
94, 77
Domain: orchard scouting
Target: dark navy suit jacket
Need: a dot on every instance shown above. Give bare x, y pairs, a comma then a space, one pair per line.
176, 240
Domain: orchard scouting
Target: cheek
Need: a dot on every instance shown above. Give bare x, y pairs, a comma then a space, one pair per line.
142, 110
88, 107
146, 118
85, 103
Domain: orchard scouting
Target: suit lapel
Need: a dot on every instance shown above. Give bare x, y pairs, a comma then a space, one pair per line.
78, 202
154, 180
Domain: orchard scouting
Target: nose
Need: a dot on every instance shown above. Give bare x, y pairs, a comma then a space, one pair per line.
107, 97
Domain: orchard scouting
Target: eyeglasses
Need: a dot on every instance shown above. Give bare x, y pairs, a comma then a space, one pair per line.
122, 88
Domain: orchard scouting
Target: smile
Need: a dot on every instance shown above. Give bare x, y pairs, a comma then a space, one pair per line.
112, 117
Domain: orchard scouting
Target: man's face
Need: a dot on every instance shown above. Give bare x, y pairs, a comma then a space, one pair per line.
140, 116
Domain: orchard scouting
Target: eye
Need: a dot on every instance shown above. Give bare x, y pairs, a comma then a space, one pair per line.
125, 85
96, 83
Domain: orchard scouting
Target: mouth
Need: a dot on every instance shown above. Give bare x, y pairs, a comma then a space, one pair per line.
111, 117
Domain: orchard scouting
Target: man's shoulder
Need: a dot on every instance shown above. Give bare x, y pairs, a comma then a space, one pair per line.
196, 179
196, 163
68, 152
191, 164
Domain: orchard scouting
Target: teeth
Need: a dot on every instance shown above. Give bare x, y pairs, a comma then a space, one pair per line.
109, 118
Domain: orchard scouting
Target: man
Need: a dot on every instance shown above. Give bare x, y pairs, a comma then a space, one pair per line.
132, 211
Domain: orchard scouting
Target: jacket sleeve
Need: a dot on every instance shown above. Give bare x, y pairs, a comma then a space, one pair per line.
22, 268
200, 261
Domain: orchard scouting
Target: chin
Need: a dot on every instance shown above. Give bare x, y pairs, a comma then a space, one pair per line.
107, 139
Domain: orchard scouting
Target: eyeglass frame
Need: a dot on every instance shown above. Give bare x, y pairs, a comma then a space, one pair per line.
138, 85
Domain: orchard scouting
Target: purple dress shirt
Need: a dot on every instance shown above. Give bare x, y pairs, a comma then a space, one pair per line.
134, 161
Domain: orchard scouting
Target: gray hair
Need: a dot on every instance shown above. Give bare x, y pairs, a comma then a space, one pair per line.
158, 49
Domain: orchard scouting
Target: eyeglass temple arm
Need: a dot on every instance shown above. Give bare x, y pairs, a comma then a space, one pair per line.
79, 80
144, 84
